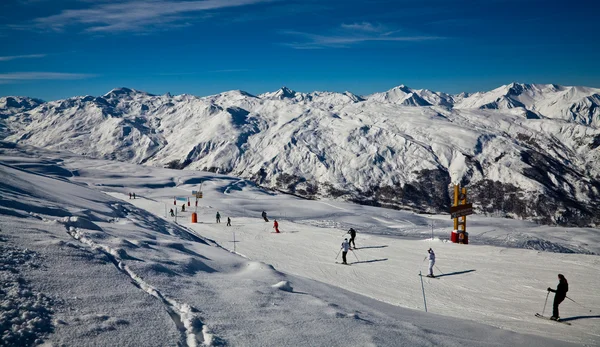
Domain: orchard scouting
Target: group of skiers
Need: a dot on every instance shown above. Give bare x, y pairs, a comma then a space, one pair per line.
560, 291
218, 216
131, 194
346, 245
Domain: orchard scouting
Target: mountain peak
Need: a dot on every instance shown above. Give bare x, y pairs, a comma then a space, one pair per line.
281, 93
285, 92
123, 91
403, 88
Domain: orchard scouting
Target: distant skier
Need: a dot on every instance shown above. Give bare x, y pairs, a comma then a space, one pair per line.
264, 215
172, 213
218, 217
345, 247
431, 262
129, 195
276, 226
561, 293
228, 221
134, 196
352, 233
182, 207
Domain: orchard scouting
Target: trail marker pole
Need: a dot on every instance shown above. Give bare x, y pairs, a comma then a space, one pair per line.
423, 288
432, 224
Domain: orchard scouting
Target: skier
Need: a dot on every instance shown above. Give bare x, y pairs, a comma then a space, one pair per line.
129, 195
276, 226
352, 233
228, 221
561, 292
431, 262
182, 207
218, 217
264, 215
134, 196
172, 213
345, 247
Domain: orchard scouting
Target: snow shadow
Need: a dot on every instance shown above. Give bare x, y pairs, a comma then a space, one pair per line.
366, 247
455, 273
369, 261
579, 317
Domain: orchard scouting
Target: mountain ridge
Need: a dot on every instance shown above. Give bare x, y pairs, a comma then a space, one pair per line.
533, 146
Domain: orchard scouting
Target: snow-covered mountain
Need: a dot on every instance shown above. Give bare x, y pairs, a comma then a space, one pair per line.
10, 105
523, 151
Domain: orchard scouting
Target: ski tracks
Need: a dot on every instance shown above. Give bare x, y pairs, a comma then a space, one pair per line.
186, 318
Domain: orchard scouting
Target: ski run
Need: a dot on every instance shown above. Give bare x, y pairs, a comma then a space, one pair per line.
82, 263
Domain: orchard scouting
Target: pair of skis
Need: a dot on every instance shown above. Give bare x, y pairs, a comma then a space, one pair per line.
427, 276
548, 318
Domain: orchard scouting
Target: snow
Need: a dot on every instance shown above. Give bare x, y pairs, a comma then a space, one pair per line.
82, 264
540, 139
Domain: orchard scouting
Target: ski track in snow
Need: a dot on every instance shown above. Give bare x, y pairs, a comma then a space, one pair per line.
186, 318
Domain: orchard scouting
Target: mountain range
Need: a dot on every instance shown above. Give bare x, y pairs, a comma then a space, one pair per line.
525, 151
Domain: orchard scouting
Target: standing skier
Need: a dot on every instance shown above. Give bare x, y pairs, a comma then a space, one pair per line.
352, 233
172, 213
218, 217
264, 215
182, 207
228, 221
276, 226
431, 262
134, 195
561, 293
345, 247
129, 195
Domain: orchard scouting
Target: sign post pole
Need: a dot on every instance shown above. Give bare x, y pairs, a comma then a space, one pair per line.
459, 211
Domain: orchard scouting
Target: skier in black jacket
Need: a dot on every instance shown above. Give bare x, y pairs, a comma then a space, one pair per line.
352, 233
561, 292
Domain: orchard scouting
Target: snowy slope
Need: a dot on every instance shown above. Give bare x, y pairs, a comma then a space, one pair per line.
92, 267
577, 104
524, 151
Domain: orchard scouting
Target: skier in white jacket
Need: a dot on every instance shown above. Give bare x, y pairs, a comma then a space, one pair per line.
345, 246
431, 262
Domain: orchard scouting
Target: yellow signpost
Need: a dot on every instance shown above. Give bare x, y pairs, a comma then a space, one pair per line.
459, 211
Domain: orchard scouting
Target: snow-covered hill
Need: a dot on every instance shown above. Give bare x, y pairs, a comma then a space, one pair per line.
523, 151
83, 264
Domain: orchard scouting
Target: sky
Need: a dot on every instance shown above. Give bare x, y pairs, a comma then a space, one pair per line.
53, 49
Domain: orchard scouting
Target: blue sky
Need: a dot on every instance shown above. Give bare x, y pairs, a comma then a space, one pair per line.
54, 49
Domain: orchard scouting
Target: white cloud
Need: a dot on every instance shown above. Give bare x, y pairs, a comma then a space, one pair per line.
136, 15
21, 76
364, 26
350, 34
26, 56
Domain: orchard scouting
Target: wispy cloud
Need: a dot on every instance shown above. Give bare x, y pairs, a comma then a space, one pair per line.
229, 70
26, 56
202, 72
6, 78
134, 15
350, 34
364, 26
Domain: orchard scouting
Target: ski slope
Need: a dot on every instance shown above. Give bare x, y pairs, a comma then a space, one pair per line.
99, 268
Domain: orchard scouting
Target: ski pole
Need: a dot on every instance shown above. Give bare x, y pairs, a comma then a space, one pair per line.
355, 256
545, 303
338, 254
577, 303
438, 269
